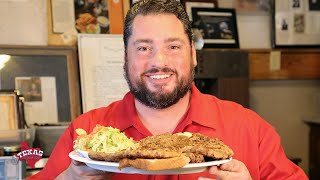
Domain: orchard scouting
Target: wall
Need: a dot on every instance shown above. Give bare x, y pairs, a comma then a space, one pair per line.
284, 104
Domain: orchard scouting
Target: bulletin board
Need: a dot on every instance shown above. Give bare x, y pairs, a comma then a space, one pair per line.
296, 23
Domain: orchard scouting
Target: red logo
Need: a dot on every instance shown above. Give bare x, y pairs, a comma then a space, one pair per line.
31, 155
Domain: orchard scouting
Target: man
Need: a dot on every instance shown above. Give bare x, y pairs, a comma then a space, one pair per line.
159, 62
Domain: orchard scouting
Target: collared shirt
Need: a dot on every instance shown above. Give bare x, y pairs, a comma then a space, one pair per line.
252, 139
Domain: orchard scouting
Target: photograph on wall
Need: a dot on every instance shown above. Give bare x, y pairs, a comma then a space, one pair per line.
30, 88
218, 27
40, 98
299, 23
296, 4
91, 16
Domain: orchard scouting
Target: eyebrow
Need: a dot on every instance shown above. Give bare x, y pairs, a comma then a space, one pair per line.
149, 41
173, 39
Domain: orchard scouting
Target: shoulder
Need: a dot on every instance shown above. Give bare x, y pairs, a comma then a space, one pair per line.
234, 114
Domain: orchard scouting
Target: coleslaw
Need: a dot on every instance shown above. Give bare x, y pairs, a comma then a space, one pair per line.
102, 139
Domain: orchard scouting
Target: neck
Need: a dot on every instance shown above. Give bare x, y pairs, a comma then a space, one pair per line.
159, 121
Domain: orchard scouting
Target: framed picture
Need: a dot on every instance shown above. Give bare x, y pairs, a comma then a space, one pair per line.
214, 2
217, 26
189, 4
9, 110
47, 78
295, 23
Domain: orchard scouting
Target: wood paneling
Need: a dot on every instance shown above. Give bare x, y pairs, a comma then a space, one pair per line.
295, 64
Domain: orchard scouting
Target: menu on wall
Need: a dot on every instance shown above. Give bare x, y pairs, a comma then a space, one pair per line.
101, 58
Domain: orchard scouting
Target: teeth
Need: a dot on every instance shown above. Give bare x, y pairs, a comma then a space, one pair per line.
159, 76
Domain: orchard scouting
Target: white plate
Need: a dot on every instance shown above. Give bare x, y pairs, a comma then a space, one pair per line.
82, 153
113, 166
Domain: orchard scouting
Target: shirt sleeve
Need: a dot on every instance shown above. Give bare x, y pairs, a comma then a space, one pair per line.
274, 163
59, 159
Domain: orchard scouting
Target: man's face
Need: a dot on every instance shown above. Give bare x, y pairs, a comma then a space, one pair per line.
159, 60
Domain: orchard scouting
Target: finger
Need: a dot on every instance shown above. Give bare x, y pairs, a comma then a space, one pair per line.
214, 170
233, 165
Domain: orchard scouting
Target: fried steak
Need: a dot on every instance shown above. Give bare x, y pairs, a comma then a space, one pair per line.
176, 150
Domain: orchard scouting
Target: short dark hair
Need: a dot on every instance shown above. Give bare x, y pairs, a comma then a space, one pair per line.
145, 7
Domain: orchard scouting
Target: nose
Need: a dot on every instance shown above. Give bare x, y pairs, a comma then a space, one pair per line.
160, 58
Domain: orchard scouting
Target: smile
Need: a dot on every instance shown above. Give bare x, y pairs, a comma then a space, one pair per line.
163, 76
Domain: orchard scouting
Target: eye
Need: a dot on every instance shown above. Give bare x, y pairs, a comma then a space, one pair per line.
142, 48
174, 47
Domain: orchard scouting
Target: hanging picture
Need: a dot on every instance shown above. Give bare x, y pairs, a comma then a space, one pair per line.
217, 26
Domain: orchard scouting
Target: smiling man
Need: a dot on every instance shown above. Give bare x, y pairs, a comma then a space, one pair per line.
159, 64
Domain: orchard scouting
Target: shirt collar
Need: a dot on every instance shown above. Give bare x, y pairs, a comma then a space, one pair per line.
202, 109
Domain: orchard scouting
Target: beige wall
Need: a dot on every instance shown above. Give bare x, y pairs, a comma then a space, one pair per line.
284, 104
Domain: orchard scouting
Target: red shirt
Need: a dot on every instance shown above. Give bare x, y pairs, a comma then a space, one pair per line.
252, 139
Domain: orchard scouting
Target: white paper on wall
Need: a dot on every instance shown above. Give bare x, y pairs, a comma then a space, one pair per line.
101, 69
23, 22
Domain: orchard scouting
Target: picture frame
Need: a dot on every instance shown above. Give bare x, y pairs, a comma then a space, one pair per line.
57, 64
295, 24
214, 2
9, 110
189, 4
218, 27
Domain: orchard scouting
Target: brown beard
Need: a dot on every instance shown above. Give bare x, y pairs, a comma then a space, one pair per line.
155, 99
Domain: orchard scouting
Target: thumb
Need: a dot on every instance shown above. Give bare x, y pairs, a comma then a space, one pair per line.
77, 163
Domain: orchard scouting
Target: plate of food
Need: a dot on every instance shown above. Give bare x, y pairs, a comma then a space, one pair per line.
108, 149
114, 166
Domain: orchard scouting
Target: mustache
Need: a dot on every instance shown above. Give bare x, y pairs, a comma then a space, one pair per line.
156, 70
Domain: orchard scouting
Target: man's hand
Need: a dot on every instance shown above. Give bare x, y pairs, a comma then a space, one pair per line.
79, 170
233, 169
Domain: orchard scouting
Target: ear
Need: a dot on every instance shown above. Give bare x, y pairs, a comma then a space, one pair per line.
194, 54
